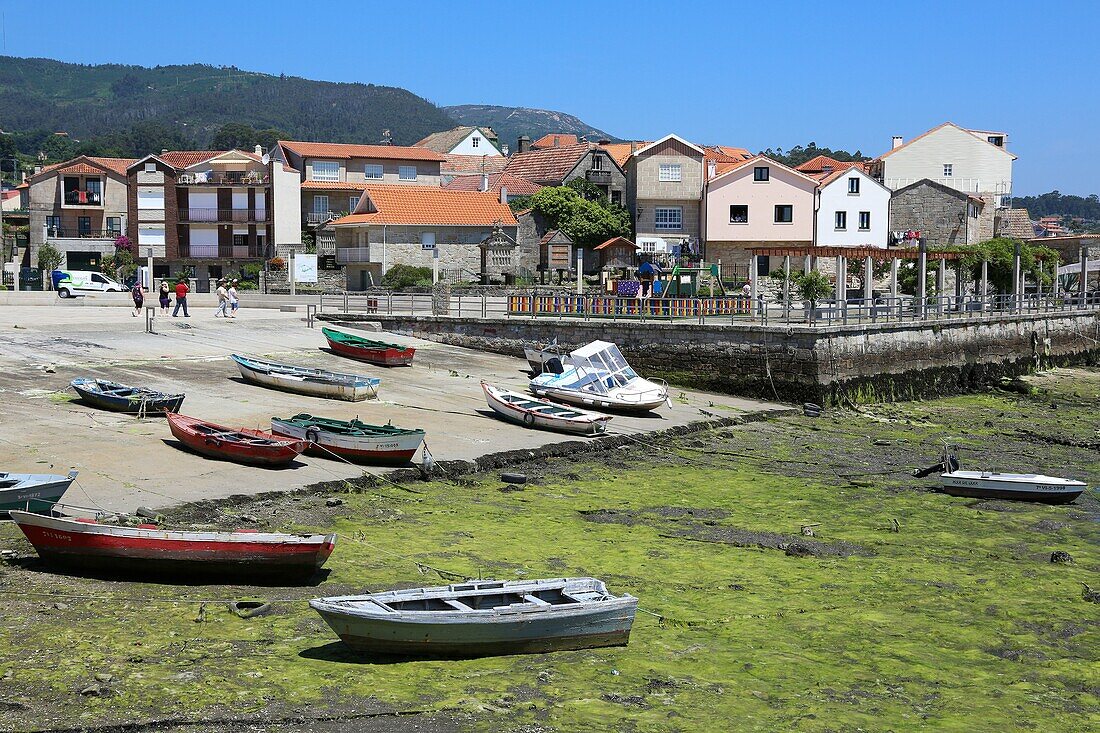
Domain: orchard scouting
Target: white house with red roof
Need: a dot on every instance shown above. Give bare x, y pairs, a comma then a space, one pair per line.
853, 209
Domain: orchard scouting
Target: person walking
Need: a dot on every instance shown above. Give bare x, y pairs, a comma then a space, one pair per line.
138, 294
223, 301
234, 299
181, 298
165, 297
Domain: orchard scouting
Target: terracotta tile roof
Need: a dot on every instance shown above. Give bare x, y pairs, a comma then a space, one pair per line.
469, 164
342, 150
333, 186
555, 140
1016, 223
722, 168
444, 141
820, 164
620, 152
614, 241
80, 168
549, 166
116, 165
516, 186
548, 236
430, 206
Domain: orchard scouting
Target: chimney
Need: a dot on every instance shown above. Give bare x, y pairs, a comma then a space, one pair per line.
484, 182
603, 142
504, 150
504, 195
259, 150
164, 151
387, 139
712, 167
523, 144
37, 169
633, 147
557, 141
896, 142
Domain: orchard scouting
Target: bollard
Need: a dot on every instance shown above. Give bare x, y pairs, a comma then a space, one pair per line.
311, 311
150, 315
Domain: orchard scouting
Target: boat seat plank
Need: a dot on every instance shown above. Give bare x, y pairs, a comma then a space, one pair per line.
457, 604
536, 600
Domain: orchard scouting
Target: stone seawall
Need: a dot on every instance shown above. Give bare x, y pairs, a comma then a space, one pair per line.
864, 362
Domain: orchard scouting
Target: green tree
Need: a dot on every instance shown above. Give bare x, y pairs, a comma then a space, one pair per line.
587, 223
120, 265
1000, 254
49, 259
519, 203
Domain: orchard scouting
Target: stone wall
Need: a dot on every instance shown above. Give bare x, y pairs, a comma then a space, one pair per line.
798, 363
939, 214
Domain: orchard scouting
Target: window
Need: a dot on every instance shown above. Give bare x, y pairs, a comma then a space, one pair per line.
763, 265
427, 240
53, 224
948, 170
761, 173
240, 240
353, 201
597, 162
997, 140
372, 171
853, 185
972, 209
669, 173
326, 170
320, 204
669, 217
84, 225
475, 141
150, 198
94, 187
406, 172
840, 219
616, 197
864, 220
150, 167
151, 235
784, 213
114, 225
739, 214
99, 279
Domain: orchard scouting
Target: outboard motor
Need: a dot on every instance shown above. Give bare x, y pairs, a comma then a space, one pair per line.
928, 471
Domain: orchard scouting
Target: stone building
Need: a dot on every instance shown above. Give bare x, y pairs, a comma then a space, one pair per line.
665, 182
944, 216
409, 225
556, 166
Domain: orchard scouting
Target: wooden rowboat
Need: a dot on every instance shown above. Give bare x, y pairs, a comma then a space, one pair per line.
368, 350
32, 492
482, 618
242, 556
351, 439
253, 447
304, 380
107, 395
535, 413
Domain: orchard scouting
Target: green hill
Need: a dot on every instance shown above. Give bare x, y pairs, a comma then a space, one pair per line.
511, 122
186, 105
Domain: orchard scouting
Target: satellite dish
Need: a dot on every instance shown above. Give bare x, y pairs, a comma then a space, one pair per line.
266, 159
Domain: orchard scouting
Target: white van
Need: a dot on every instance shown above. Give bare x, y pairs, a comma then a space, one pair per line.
79, 282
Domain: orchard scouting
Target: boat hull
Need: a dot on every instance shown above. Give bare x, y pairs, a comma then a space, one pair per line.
987, 488
127, 550
314, 388
153, 407
593, 425
279, 454
34, 496
368, 449
372, 352
597, 401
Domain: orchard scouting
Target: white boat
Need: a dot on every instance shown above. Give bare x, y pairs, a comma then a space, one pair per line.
1017, 486
33, 492
482, 618
304, 380
351, 439
597, 375
535, 413
549, 359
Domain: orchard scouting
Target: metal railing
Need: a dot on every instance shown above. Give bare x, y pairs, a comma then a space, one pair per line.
224, 178
59, 233
79, 197
320, 217
215, 251
971, 185
240, 216
345, 255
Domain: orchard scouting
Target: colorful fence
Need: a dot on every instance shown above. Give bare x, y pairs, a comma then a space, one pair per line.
599, 306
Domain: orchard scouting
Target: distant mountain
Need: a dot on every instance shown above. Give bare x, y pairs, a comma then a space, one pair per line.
193, 101
511, 122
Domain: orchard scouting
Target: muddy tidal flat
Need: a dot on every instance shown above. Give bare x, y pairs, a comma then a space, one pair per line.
904, 610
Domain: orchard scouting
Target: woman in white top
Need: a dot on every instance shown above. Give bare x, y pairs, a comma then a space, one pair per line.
234, 299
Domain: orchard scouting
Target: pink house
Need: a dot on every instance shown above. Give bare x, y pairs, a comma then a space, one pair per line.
756, 202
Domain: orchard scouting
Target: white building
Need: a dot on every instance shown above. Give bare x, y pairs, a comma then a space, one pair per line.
974, 161
853, 209
465, 140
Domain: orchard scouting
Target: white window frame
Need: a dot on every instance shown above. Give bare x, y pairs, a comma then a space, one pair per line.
670, 173
475, 141
150, 199
403, 172
427, 240
948, 170
840, 220
326, 173
757, 177
317, 199
353, 202
151, 236
597, 162
746, 221
369, 169
853, 185
668, 218
150, 167
865, 216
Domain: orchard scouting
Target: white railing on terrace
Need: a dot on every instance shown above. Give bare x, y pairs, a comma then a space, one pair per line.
320, 217
345, 255
969, 185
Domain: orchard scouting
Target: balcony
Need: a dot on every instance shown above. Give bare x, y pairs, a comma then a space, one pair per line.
226, 252
237, 216
600, 178
344, 255
78, 197
315, 218
57, 233
224, 178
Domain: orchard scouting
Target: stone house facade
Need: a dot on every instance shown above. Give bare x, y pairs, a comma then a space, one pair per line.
944, 216
556, 166
665, 195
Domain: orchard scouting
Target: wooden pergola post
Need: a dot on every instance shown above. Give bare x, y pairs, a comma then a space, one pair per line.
868, 280
1082, 287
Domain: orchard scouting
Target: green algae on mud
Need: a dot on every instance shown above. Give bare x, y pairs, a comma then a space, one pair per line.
958, 621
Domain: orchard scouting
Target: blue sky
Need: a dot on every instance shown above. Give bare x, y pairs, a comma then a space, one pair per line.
843, 74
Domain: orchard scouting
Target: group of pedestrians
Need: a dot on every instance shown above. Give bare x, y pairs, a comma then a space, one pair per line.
228, 299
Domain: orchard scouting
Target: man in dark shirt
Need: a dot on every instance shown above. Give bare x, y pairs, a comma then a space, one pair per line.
181, 298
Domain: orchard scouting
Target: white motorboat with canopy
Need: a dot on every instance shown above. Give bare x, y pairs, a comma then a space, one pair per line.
598, 375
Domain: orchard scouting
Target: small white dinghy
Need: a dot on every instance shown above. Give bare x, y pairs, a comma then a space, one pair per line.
598, 375
995, 485
535, 413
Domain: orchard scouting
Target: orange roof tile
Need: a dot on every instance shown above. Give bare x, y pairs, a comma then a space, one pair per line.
188, 158
430, 206
620, 152
825, 164
342, 150
616, 240
515, 186
116, 165
334, 185
548, 166
555, 140
470, 164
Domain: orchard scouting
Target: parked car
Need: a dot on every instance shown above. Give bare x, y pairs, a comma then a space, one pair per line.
69, 283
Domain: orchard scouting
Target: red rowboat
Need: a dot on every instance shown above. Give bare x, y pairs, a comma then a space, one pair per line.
84, 543
254, 447
368, 350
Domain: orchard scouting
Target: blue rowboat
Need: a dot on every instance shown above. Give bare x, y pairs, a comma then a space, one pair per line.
32, 492
108, 395
304, 380
482, 618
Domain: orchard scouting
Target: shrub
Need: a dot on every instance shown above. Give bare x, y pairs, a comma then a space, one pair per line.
404, 276
49, 257
276, 263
